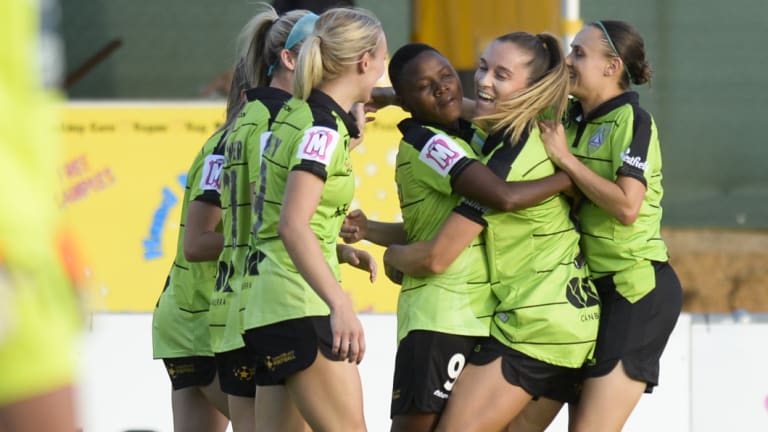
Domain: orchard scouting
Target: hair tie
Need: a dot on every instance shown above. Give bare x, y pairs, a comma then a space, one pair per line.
542, 41
613, 47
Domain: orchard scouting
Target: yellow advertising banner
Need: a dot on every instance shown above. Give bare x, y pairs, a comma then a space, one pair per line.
122, 182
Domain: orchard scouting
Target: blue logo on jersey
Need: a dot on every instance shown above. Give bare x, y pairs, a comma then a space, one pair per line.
596, 141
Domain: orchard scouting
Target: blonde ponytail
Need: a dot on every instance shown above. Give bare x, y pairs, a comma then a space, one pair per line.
547, 92
340, 38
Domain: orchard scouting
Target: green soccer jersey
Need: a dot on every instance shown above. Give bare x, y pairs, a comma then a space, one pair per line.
241, 164
458, 301
311, 136
619, 139
548, 308
189, 285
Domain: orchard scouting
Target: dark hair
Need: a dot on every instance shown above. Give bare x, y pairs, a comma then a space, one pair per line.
624, 41
402, 56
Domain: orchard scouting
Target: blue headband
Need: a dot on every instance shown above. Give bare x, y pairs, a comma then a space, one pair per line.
303, 27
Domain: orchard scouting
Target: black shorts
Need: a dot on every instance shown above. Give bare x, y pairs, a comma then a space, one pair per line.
190, 371
426, 367
538, 378
636, 333
280, 350
236, 372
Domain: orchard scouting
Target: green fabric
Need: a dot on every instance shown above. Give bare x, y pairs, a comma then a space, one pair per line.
301, 132
180, 320
620, 138
458, 301
548, 307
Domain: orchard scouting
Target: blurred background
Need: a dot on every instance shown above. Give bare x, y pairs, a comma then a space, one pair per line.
144, 84
707, 95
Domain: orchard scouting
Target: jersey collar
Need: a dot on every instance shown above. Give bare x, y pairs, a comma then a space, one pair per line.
463, 129
316, 97
261, 93
604, 108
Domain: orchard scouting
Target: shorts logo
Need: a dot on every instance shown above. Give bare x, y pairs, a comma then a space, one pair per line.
318, 144
596, 141
441, 153
174, 370
273, 362
244, 373
440, 394
211, 178
635, 161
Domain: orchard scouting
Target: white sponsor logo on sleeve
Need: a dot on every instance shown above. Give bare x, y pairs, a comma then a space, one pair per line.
318, 144
211, 178
635, 161
441, 153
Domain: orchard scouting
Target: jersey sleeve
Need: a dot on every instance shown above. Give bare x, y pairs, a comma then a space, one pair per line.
316, 149
441, 158
206, 179
630, 152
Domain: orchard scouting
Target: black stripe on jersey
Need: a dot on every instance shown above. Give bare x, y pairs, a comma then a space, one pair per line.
273, 162
414, 133
472, 212
576, 114
594, 159
219, 149
520, 342
402, 165
271, 97
641, 140
193, 311
417, 135
569, 263
501, 161
459, 167
535, 306
312, 167
535, 166
229, 245
323, 106
596, 236
630, 171
553, 197
175, 264
245, 204
245, 125
413, 288
209, 196
234, 164
411, 203
283, 123
554, 233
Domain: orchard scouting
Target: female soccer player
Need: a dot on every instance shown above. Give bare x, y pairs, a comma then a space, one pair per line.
615, 160
299, 324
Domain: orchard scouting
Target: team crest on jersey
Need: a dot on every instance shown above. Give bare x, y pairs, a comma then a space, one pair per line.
596, 141
318, 144
211, 178
441, 153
